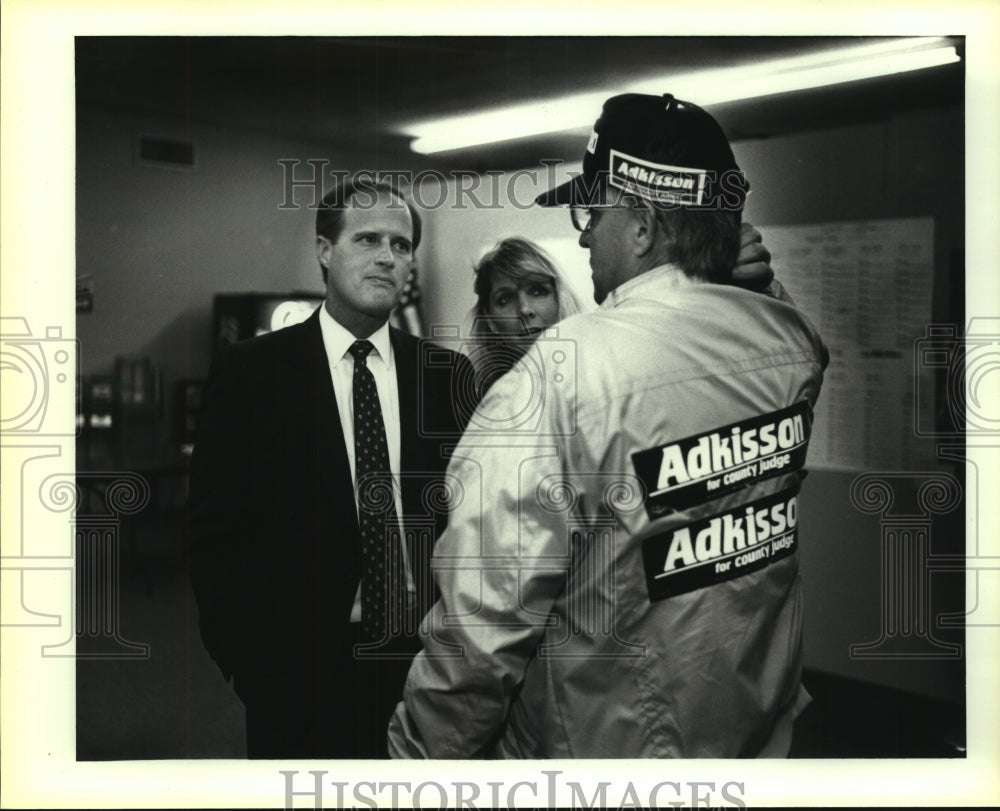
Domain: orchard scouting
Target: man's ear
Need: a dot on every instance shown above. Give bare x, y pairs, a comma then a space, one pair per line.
642, 228
323, 247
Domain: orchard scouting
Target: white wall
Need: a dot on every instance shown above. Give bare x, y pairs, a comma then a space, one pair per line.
458, 236
160, 243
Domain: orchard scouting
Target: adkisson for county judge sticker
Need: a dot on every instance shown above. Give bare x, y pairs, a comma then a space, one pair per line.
704, 466
731, 544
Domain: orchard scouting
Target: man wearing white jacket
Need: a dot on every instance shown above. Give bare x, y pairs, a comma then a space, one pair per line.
620, 578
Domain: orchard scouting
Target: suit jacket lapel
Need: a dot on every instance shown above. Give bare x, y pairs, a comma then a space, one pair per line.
331, 464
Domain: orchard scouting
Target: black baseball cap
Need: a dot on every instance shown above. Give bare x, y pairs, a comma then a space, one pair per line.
665, 150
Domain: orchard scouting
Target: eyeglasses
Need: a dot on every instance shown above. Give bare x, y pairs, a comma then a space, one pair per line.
583, 218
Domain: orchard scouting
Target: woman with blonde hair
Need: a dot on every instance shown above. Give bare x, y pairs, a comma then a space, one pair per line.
520, 292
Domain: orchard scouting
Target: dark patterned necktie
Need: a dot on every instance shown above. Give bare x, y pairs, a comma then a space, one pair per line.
382, 574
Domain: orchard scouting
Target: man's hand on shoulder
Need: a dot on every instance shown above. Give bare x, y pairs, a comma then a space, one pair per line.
753, 269
753, 266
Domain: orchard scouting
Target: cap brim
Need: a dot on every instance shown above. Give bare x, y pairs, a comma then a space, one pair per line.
558, 196
575, 192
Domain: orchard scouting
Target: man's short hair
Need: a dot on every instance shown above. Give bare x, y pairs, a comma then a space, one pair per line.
330, 214
703, 243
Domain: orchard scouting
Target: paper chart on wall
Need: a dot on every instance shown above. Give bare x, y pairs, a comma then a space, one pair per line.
867, 287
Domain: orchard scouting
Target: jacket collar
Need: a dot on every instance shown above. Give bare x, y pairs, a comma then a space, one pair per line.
337, 339
651, 282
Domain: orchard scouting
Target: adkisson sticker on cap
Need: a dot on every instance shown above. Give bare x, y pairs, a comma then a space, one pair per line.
669, 152
655, 181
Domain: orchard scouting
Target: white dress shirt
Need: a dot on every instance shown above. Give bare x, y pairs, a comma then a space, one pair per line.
381, 361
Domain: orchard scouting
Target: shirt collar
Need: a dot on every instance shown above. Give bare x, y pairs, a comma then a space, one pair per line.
660, 277
337, 340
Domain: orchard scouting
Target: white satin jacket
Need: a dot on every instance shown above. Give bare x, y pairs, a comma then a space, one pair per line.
619, 577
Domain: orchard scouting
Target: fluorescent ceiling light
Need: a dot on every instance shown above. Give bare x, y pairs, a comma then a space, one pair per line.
705, 87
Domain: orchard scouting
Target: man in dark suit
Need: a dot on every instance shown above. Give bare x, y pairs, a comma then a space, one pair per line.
316, 637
